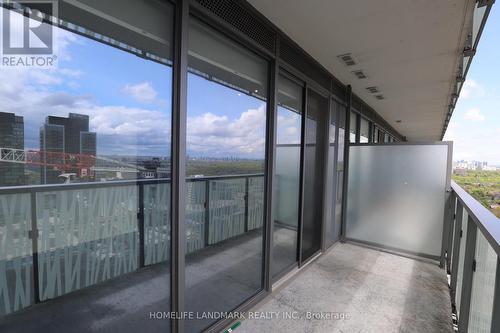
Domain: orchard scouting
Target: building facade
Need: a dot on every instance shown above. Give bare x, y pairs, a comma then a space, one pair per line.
11, 137
64, 145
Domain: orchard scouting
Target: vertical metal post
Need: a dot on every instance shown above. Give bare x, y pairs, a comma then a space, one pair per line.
370, 131
346, 163
272, 110
446, 227
246, 203
456, 249
34, 245
450, 232
470, 252
179, 119
206, 228
335, 191
447, 215
302, 173
358, 127
327, 189
495, 317
140, 221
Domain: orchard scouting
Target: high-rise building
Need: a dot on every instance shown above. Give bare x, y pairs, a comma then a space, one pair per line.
11, 136
59, 136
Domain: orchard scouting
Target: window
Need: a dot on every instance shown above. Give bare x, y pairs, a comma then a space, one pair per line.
335, 159
375, 134
342, 115
287, 175
226, 126
98, 124
315, 141
364, 131
381, 136
353, 127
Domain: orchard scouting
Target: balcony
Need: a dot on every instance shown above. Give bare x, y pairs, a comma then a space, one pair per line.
363, 290
220, 159
82, 270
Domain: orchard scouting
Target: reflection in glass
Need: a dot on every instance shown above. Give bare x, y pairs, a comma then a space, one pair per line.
226, 121
381, 136
317, 110
353, 127
340, 165
386, 137
287, 177
332, 227
364, 131
100, 129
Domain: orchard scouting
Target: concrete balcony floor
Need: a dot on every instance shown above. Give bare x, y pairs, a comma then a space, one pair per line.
380, 292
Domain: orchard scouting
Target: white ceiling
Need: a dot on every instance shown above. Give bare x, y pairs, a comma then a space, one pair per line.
409, 49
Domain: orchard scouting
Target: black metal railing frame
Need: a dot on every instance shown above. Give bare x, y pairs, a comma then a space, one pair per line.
34, 189
480, 219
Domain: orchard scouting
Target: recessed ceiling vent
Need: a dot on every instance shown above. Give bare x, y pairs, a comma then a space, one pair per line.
347, 59
380, 96
372, 90
359, 74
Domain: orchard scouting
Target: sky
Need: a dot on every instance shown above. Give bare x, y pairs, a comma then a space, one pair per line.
128, 100
475, 125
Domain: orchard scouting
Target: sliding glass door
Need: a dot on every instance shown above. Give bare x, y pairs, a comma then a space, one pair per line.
85, 132
226, 126
287, 175
315, 140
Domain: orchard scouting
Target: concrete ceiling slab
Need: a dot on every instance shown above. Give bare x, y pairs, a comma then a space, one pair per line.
409, 49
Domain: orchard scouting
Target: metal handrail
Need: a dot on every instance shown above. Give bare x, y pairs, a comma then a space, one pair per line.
484, 219
33, 190
73, 186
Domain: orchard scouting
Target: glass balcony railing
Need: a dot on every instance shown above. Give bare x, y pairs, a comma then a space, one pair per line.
473, 263
55, 239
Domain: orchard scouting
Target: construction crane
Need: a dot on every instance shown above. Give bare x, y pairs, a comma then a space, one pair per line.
83, 165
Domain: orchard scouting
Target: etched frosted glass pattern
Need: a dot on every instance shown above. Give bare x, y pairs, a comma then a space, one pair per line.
86, 236
156, 223
16, 263
255, 202
461, 261
396, 196
483, 287
227, 209
195, 215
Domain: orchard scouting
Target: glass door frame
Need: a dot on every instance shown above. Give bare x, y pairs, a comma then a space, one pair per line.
327, 96
286, 74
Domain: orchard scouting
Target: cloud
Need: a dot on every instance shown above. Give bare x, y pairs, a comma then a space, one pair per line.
473, 115
120, 129
472, 89
288, 127
473, 141
215, 135
141, 92
65, 99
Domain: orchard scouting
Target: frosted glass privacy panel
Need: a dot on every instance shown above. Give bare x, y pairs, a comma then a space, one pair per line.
396, 196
